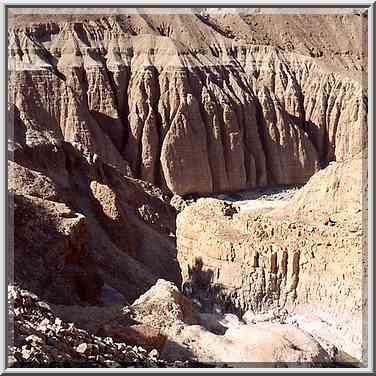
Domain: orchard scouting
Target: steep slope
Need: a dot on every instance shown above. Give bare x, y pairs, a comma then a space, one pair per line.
197, 114
108, 117
91, 219
340, 189
335, 37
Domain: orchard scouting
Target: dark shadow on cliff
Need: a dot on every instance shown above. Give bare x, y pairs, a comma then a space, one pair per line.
112, 127
46, 260
323, 148
148, 243
131, 254
208, 296
16, 128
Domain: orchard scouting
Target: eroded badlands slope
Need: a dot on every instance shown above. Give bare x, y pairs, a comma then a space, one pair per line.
82, 230
108, 117
181, 114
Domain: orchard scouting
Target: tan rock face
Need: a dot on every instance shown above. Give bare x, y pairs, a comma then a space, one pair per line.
340, 188
216, 248
166, 309
103, 111
270, 345
190, 116
267, 260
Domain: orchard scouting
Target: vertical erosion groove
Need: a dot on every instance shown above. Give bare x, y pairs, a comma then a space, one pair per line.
300, 98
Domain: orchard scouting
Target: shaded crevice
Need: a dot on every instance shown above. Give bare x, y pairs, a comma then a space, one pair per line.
154, 104
216, 183
124, 113
206, 20
208, 128
261, 129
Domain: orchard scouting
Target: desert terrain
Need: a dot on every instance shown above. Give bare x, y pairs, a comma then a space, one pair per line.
187, 189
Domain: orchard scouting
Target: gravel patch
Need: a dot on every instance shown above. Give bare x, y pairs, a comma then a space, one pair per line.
260, 198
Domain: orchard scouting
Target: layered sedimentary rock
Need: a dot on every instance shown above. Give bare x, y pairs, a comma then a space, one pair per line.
182, 114
235, 258
296, 31
307, 257
183, 105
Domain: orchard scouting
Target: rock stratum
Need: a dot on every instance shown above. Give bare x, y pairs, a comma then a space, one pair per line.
261, 263
190, 112
120, 127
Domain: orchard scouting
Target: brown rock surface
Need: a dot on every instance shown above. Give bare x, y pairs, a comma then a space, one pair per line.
53, 238
52, 178
296, 30
165, 308
39, 338
308, 262
140, 335
192, 104
341, 188
193, 112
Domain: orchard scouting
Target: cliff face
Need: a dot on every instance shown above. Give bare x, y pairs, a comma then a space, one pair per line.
307, 256
108, 117
195, 112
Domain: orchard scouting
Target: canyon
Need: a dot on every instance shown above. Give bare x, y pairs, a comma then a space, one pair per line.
136, 146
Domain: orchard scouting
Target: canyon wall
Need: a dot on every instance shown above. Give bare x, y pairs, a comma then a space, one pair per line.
190, 116
110, 116
307, 257
92, 231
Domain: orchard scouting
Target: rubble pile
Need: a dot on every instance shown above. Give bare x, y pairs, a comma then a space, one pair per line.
40, 339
